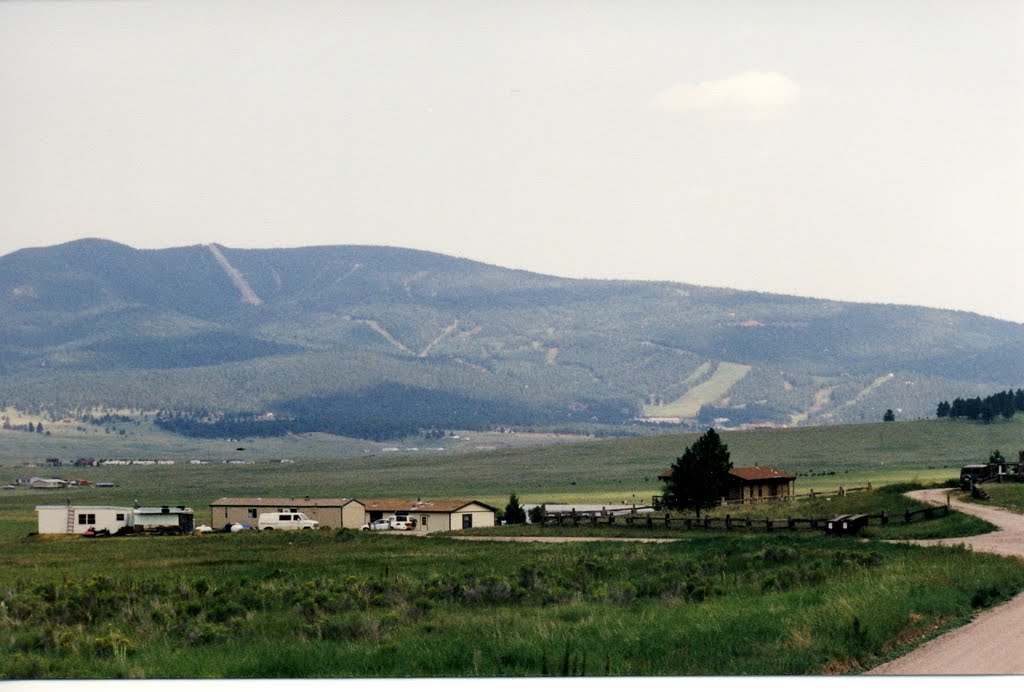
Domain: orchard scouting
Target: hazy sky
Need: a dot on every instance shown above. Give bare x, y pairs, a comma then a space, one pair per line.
868, 151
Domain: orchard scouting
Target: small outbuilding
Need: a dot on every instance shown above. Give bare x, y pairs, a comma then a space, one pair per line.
753, 483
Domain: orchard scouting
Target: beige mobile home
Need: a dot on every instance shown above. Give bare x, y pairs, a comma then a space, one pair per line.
75, 519
333, 513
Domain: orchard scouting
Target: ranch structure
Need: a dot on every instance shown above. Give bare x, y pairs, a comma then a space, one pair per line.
753, 483
80, 519
335, 513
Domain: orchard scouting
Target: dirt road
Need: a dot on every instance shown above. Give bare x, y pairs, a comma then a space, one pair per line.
991, 643
563, 539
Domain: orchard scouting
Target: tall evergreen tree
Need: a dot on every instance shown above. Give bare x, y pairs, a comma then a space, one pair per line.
514, 512
700, 476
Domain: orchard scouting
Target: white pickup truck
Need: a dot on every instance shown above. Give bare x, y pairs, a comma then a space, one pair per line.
285, 521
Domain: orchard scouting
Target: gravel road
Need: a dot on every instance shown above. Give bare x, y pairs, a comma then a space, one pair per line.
563, 539
991, 643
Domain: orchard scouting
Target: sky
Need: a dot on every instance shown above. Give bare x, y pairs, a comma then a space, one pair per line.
869, 151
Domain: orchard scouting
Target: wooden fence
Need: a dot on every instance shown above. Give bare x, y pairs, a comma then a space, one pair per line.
810, 495
650, 520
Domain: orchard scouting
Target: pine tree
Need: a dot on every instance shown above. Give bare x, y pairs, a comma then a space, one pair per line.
514, 512
700, 476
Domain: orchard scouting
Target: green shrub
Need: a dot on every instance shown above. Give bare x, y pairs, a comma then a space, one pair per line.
23, 666
114, 644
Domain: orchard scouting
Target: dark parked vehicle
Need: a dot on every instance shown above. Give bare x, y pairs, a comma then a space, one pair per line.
972, 474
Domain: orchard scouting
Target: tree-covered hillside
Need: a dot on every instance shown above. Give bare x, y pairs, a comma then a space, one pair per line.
447, 342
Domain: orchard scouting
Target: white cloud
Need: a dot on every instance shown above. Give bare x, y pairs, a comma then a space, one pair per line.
748, 95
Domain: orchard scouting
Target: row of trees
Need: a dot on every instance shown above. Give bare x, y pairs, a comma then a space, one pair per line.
987, 409
31, 427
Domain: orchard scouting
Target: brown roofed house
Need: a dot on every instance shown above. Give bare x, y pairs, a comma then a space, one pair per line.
753, 483
333, 513
427, 515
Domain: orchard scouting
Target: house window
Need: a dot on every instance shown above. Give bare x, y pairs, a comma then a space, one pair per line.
119, 517
225, 512
251, 512
467, 521
423, 520
86, 519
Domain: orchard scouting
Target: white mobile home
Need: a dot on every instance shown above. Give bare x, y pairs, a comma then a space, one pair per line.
75, 519
48, 483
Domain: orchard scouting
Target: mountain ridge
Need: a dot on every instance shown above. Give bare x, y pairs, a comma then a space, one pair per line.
156, 328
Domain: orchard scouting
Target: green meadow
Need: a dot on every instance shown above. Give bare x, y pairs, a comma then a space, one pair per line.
349, 604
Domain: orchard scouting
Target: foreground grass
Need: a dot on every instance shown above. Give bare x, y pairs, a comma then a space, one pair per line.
331, 604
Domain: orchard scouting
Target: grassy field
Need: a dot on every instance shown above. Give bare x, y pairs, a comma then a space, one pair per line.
332, 604
594, 471
1007, 495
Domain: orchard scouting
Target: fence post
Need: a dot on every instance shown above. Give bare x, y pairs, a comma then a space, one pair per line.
728, 522
767, 524
611, 519
907, 516
668, 520
650, 521
885, 517
707, 522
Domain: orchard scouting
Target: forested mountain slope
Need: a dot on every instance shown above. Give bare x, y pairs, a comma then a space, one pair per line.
375, 333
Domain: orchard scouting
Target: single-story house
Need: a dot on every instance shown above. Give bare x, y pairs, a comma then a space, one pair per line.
332, 513
429, 515
752, 483
433, 515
